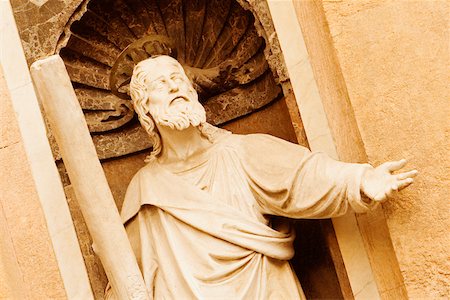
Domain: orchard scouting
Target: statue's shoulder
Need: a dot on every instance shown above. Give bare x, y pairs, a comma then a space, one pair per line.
140, 187
223, 136
148, 170
252, 146
256, 139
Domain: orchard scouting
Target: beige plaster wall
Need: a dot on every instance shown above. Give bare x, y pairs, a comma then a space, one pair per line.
28, 267
395, 59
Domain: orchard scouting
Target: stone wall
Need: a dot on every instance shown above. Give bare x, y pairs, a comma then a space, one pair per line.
28, 267
395, 57
41, 23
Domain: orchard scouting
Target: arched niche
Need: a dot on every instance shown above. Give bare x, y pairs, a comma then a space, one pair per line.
208, 35
98, 31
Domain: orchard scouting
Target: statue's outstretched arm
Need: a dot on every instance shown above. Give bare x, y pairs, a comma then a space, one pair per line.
380, 183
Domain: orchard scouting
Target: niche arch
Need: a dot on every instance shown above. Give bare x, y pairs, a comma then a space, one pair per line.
213, 37
241, 30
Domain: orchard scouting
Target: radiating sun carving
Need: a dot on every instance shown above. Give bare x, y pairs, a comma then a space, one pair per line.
215, 41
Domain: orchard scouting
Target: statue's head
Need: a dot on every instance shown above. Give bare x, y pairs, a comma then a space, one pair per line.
159, 86
162, 93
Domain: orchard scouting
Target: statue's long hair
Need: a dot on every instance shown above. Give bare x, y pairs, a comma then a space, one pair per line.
138, 92
139, 96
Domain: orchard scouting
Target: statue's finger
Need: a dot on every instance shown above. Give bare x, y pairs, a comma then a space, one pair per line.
404, 183
410, 174
395, 165
392, 191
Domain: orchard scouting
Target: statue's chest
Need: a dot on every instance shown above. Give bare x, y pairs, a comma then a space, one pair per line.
223, 177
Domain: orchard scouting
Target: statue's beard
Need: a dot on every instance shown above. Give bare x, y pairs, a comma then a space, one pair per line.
179, 115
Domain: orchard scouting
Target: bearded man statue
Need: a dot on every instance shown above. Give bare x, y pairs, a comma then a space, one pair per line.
199, 215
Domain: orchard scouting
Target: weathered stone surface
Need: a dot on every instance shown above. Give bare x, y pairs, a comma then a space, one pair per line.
96, 273
249, 44
98, 50
253, 69
134, 17
265, 28
231, 104
294, 114
400, 97
95, 39
235, 26
194, 18
86, 71
109, 23
122, 142
173, 10
40, 26
216, 15
104, 111
158, 23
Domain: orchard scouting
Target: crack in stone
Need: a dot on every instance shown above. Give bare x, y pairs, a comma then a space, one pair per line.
12, 144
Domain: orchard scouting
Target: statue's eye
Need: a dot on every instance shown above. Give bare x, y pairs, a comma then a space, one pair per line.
177, 78
159, 84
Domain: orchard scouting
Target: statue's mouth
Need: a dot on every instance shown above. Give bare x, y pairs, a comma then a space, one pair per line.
178, 99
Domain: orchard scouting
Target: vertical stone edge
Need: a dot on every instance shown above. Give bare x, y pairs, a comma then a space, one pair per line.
45, 175
319, 130
348, 141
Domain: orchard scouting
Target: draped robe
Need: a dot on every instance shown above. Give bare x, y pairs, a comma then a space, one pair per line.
207, 231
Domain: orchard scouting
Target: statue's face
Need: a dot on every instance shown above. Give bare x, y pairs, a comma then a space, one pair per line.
172, 100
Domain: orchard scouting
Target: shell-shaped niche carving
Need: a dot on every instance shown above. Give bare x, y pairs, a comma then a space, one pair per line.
215, 40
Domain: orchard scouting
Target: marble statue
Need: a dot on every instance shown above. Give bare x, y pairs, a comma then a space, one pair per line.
199, 214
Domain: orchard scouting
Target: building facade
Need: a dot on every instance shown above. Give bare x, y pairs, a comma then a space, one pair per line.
362, 81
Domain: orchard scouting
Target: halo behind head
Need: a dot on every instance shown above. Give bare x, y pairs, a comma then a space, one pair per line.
139, 50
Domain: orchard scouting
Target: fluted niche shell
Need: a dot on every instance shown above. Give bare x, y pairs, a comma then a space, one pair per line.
215, 41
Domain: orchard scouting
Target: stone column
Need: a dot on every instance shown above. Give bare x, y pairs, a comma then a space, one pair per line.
87, 177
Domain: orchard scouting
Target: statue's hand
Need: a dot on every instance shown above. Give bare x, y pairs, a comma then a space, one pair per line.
379, 183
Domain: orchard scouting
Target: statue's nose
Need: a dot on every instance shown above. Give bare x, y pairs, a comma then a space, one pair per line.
173, 87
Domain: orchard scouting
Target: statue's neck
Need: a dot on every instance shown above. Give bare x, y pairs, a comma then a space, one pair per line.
179, 145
